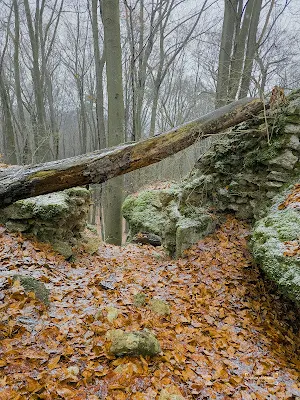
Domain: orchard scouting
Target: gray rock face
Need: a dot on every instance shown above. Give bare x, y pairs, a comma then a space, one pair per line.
133, 343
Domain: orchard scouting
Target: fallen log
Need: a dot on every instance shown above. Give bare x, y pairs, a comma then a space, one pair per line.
19, 182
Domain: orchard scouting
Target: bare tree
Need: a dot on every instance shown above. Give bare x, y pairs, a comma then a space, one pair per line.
116, 135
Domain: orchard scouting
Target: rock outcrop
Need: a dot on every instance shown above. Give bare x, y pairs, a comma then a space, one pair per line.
241, 173
58, 218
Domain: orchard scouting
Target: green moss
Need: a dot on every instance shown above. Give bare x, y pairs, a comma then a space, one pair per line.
268, 249
31, 284
78, 191
139, 299
160, 307
42, 174
144, 212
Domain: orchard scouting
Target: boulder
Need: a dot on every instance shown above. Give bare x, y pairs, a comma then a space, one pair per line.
58, 218
160, 307
31, 284
133, 343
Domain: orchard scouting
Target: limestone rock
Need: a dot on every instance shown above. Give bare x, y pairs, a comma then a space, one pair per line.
292, 129
31, 284
139, 299
17, 226
112, 313
286, 160
133, 343
269, 247
62, 248
278, 176
189, 231
294, 142
160, 307
56, 217
167, 395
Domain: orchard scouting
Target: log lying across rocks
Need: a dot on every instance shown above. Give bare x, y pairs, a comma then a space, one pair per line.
19, 182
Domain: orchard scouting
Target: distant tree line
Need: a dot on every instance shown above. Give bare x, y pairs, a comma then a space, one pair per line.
76, 76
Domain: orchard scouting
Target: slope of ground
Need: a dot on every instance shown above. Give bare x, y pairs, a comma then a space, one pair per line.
227, 335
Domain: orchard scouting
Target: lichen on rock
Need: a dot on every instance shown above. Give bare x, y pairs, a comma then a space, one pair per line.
160, 307
31, 284
271, 239
58, 218
133, 343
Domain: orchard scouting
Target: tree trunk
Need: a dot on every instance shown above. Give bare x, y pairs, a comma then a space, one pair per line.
17, 182
99, 65
229, 23
7, 126
251, 49
116, 131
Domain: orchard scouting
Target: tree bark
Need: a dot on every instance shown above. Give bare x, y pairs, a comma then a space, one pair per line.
19, 182
229, 24
116, 118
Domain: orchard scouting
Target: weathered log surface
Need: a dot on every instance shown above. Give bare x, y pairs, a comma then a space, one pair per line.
19, 182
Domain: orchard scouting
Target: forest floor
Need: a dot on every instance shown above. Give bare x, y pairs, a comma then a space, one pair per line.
228, 334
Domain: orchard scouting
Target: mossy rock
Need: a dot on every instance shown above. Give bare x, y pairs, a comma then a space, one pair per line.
166, 394
133, 343
160, 307
269, 244
144, 212
139, 299
63, 248
31, 284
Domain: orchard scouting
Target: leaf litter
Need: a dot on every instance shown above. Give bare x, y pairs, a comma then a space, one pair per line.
228, 333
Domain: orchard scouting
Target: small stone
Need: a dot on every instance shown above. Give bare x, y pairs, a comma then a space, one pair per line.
73, 370
139, 299
166, 395
271, 194
91, 245
63, 248
107, 285
31, 284
133, 343
286, 160
112, 313
160, 307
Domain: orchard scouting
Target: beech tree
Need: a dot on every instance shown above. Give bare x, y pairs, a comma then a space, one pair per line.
116, 134
247, 28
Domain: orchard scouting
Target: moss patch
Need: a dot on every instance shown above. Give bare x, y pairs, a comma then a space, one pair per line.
31, 284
